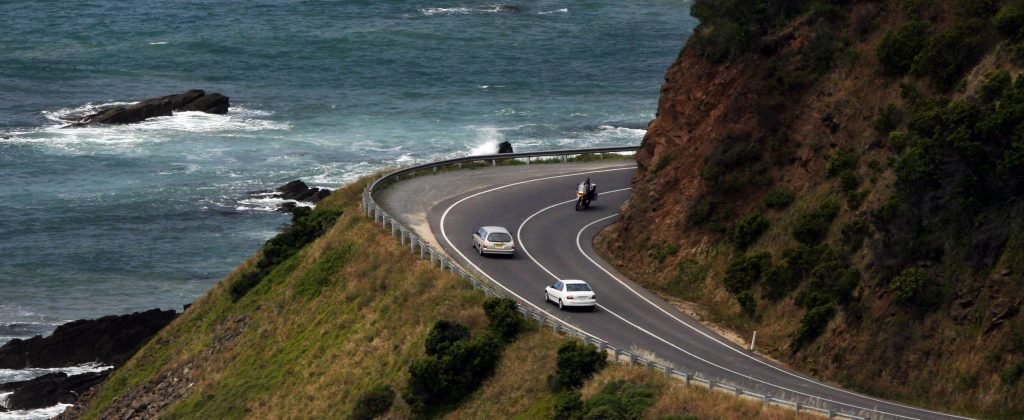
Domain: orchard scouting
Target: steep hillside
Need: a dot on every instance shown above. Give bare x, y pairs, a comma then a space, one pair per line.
326, 321
845, 178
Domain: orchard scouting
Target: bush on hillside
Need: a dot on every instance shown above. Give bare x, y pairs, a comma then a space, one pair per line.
1009, 20
747, 302
373, 403
568, 406
778, 199
306, 226
447, 378
854, 234
443, 335
1010, 375
503, 318
946, 56
748, 230
812, 227
813, 324
745, 271
840, 162
620, 399
898, 48
577, 362
888, 119
909, 285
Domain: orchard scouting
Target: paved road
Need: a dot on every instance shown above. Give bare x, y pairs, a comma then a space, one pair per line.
554, 241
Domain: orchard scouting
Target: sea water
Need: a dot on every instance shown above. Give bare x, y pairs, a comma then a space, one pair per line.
115, 219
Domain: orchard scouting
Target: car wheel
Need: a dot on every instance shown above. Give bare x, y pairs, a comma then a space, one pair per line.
546, 300
592, 308
560, 306
480, 250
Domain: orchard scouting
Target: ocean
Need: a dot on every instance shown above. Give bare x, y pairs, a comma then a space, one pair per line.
117, 219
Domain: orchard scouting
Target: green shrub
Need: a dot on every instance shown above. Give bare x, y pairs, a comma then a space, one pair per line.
949, 54
1009, 20
980, 9
443, 335
778, 199
994, 84
245, 282
664, 251
854, 234
745, 271
373, 403
812, 227
661, 164
503, 318
748, 230
909, 284
1010, 375
620, 399
813, 324
855, 198
568, 406
840, 162
888, 119
577, 362
747, 303
899, 46
848, 181
445, 379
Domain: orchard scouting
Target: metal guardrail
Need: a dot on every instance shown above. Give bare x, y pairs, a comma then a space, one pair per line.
406, 236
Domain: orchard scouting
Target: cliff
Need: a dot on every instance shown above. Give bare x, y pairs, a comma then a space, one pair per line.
844, 177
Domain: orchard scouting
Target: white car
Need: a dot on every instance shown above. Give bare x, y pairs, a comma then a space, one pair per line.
571, 293
493, 240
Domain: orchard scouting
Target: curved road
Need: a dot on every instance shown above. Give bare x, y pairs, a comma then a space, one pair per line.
554, 242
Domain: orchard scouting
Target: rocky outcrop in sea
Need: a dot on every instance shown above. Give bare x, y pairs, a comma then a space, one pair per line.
192, 100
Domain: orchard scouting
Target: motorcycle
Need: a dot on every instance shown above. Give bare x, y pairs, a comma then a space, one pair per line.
585, 195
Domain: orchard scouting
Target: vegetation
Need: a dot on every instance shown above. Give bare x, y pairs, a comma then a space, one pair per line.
813, 324
909, 285
748, 230
374, 403
616, 400
745, 271
576, 363
900, 45
778, 199
812, 227
305, 228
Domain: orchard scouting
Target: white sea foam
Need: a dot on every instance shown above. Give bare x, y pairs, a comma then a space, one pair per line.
40, 413
263, 203
562, 10
487, 139
435, 11
12, 375
158, 43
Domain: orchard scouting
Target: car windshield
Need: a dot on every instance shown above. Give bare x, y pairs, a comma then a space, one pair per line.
499, 237
577, 287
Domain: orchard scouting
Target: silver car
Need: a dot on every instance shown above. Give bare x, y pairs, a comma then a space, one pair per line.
493, 240
571, 293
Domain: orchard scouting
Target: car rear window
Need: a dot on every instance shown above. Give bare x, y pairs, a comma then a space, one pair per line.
499, 237
577, 287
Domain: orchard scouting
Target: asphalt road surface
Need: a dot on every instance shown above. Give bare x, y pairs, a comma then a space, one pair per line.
554, 241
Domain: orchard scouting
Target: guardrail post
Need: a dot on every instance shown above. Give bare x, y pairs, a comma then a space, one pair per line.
394, 228
711, 384
494, 162
602, 347
618, 353
831, 414
797, 407
632, 359
739, 392
668, 371
688, 377
767, 400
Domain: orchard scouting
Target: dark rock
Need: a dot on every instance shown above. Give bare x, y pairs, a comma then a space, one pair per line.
287, 207
192, 100
299, 191
52, 389
509, 8
110, 339
11, 386
505, 147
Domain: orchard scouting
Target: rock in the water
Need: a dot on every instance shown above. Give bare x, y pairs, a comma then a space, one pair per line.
52, 389
110, 340
192, 100
505, 147
299, 191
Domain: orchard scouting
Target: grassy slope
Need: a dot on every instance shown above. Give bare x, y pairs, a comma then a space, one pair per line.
277, 353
